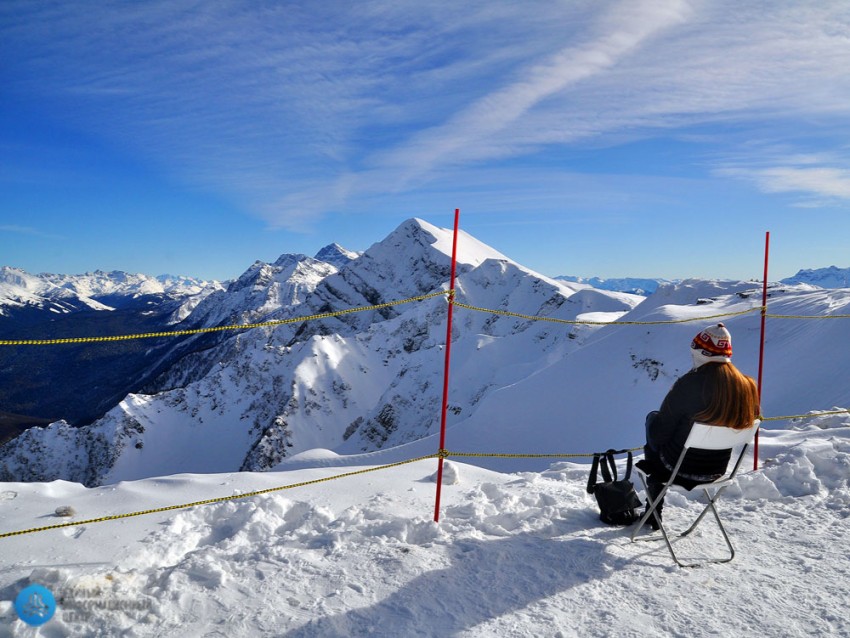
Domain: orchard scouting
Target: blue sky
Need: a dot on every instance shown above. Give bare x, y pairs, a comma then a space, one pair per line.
638, 138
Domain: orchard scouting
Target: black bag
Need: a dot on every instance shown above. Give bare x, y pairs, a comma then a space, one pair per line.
617, 499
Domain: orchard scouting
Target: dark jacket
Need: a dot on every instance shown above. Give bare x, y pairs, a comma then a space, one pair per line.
669, 427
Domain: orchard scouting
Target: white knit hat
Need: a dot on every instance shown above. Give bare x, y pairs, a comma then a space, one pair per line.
713, 344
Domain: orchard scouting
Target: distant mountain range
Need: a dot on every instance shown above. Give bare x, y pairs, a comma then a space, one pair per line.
632, 285
63, 294
831, 277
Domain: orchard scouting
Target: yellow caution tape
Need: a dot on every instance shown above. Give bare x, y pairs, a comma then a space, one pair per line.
802, 416
508, 313
210, 501
807, 316
245, 326
447, 453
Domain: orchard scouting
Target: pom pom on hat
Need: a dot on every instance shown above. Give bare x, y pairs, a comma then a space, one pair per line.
713, 344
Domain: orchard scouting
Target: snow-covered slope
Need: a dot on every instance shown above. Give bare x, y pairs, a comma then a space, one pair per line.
598, 396
831, 277
513, 555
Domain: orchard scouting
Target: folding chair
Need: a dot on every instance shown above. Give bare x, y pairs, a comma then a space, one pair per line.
703, 437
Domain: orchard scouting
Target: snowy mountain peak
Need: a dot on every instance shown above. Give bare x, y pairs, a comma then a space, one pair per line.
180, 284
18, 289
262, 289
470, 250
337, 255
92, 285
19, 278
288, 260
831, 277
412, 260
419, 248
261, 274
256, 273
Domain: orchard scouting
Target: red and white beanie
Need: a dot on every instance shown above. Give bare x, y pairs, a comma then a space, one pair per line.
713, 344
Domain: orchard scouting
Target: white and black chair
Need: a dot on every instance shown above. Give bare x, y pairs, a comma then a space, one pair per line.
703, 437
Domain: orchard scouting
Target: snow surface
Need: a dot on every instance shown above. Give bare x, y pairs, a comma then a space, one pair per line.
513, 554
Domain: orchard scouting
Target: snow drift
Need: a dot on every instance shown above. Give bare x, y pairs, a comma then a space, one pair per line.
514, 555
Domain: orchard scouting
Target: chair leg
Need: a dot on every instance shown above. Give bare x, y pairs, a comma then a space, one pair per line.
651, 509
711, 500
709, 506
722, 531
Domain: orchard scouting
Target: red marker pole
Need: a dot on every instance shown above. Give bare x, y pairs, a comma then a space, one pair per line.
761, 344
446, 371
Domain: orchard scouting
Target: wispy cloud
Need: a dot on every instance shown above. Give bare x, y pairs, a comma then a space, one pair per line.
294, 110
27, 230
478, 131
825, 181
818, 184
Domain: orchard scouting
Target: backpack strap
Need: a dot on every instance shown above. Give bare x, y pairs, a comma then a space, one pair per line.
591, 482
609, 457
609, 468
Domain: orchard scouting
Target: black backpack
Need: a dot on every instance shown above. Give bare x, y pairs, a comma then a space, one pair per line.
617, 499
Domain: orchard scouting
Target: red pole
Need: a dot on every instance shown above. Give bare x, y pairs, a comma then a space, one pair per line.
446, 371
761, 343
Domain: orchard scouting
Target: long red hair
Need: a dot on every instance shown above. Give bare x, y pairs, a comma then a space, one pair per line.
733, 398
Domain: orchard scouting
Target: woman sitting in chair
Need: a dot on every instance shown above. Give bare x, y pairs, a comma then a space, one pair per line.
713, 392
